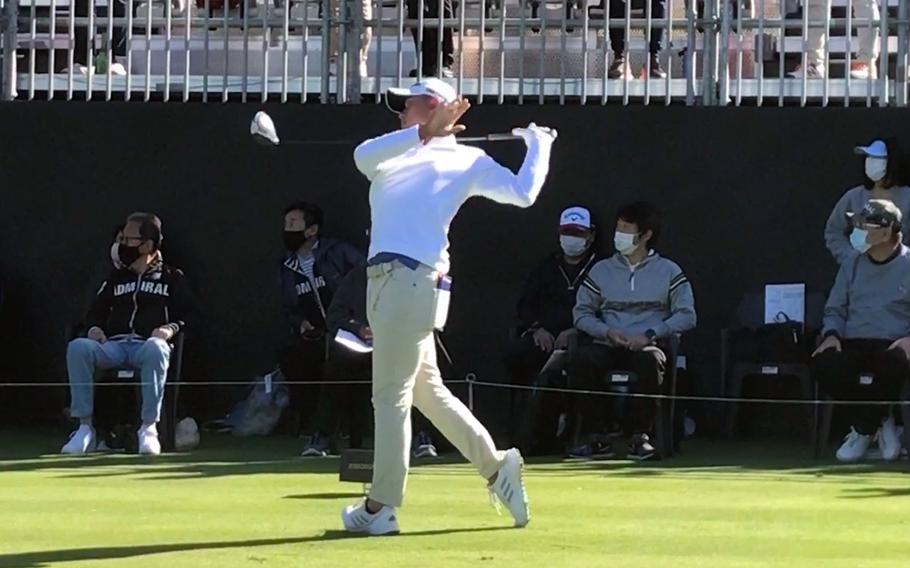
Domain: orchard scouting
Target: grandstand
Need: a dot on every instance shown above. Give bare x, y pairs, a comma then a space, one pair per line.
716, 53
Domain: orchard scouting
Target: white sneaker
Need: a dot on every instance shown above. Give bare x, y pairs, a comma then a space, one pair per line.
426, 451
356, 519
118, 70
148, 441
78, 69
509, 488
854, 447
888, 440
811, 71
81, 442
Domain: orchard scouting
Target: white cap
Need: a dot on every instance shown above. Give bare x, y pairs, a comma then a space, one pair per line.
431, 86
875, 150
575, 218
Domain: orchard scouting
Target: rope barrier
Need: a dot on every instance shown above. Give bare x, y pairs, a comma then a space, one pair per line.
472, 381
690, 397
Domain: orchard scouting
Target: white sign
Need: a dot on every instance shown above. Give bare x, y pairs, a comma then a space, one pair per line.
785, 302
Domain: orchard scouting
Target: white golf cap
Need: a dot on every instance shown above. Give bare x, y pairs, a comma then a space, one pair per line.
431, 86
575, 219
875, 150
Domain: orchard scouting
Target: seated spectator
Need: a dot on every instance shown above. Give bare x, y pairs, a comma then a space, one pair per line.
84, 58
630, 305
429, 48
867, 330
545, 307
350, 403
310, 275
862, 66
620, 69
366, 35
136, 312
884, 172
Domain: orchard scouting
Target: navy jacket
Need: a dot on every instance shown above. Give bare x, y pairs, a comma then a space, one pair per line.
333, 260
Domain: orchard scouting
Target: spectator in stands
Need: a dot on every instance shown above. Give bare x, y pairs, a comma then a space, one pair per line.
864, 355
350, 359
545, 309
620, 68
867, 36
885, 176
430, 46
82, 48
137, 311
310, 275
630, 305
366, 13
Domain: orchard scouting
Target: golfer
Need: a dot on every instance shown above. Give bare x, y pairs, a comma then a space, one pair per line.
420, 177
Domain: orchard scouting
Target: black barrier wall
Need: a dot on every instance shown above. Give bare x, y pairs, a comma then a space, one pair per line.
745, 194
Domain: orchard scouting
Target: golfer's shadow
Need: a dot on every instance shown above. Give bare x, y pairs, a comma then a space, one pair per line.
48, 557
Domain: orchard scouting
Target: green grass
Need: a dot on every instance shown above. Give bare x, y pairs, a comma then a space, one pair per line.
252, 503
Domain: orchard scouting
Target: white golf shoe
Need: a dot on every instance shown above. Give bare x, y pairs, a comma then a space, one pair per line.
81, 442
854, 447
509, 488
149, 445
888, 440
356, 519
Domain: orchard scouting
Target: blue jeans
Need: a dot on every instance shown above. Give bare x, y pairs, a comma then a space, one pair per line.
150, 357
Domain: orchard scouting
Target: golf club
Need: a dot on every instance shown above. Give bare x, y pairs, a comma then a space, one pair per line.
264, 132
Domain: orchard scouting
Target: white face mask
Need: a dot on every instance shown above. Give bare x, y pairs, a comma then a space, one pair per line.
858, 240
624, 243
876, 168
573, 246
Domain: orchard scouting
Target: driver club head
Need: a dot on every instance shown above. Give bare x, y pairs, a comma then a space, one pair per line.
263, 130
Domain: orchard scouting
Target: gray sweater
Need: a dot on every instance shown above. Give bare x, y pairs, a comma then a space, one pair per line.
837, 229
871, 300
653, 295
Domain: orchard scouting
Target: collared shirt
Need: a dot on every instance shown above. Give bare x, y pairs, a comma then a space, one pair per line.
417, 189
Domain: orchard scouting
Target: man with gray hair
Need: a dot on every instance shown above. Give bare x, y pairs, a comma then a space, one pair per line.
139, 308
864, 355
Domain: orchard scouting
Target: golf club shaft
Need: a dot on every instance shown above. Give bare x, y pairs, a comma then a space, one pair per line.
495, 137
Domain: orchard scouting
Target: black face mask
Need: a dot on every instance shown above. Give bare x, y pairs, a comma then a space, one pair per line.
293, 240
128, 255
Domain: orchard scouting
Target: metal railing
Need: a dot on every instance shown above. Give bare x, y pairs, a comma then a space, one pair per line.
716, 52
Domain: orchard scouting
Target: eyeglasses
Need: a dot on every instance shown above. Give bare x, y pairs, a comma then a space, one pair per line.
130, 241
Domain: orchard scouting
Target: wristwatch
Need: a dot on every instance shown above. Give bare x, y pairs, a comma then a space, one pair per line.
651, 335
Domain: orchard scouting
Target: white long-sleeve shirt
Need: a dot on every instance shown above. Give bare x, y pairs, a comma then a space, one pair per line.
417, 189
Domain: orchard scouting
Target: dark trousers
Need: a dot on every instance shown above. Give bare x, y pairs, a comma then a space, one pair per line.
523, 361
346, 405
617, 9
303, 361
117, 34
536, 423
588, 369
839, 375
430, 45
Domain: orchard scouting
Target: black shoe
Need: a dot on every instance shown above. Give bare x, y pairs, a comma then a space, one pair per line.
596, 450
641, 449
619, 68
657, 72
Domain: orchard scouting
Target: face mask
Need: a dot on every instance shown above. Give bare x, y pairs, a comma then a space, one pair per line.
573, 246
293, 240
876, 168
858, 240
128, 255
624, 243
115, 255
